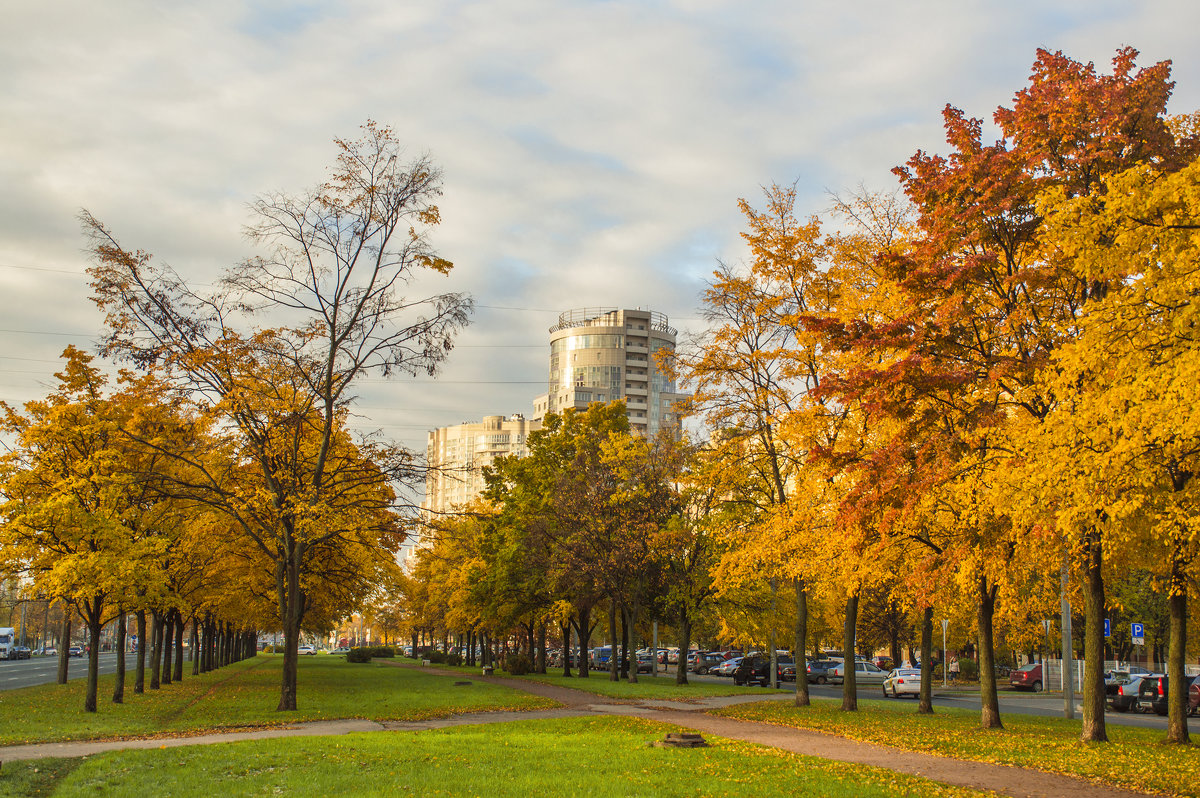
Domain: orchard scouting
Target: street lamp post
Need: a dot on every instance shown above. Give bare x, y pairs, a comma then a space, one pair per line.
945, 624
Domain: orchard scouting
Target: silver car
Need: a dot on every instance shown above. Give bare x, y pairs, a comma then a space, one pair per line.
864, 673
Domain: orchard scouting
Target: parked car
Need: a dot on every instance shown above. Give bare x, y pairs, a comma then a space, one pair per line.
340, 650
818, 670
20, 652
706, 661
1027, 677
307, 650
1194, 697
757, 668
787, 671
727, 667
1124, 697
49, 651
1153, 692
75, 651
884, 662
864, 673
902, 681
645, 663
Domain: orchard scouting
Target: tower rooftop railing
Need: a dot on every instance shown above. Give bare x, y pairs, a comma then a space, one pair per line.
607, 317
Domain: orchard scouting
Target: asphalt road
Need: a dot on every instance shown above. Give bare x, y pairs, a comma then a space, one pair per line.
1048, 705
44, 670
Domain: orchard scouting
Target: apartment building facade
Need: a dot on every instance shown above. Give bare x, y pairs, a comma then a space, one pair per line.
457, 455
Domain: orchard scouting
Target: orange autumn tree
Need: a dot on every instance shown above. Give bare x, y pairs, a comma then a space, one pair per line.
987, 302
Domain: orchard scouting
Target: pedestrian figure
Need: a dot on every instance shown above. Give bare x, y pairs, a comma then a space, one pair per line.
954, 669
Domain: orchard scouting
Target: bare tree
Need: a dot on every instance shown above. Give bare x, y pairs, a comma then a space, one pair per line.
330, 291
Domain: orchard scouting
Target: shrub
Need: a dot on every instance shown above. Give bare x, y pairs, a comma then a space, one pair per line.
437, 657
362, 654
517, 665
968, 670
454, 659
383, 651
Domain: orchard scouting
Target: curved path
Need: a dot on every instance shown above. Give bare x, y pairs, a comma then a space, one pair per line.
1002, 779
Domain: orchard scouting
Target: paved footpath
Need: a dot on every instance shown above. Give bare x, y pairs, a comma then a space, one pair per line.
1002, 779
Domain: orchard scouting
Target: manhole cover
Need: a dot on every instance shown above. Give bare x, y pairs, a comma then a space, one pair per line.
681, 740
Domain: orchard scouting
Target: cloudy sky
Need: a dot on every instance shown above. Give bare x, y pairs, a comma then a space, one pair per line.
593, 152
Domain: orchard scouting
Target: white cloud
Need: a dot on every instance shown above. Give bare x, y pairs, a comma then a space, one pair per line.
593, 151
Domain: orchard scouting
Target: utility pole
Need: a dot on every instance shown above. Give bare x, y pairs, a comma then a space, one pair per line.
945, 664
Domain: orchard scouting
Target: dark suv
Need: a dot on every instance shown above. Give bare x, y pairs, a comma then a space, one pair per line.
1155, 691
757, 668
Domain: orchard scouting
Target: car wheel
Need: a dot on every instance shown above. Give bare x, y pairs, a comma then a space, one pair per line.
1037, 687
765, 682
821, 680
885, 693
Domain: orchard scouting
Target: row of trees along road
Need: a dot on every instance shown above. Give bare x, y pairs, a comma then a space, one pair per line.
90, 519
261, 371
968, 396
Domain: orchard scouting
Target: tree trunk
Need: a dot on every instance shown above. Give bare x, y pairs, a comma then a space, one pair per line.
989, 713
583, 629
565, 628
628, 628
802, 696
168, 628
625, 663
139, 679
1177, 683
895, 650
195, 646
1093, 640
64, 650
93, 672
541, 649
179, 624
613, 669
685, 643
119, 684
925, 703
849, 680
155, 647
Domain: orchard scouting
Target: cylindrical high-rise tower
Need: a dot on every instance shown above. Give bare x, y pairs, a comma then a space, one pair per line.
602, 354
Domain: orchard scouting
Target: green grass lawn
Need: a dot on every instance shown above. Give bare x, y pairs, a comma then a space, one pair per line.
245, 694
1134, 757
575, 756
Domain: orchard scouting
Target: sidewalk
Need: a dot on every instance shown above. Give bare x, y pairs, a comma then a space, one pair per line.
692, 714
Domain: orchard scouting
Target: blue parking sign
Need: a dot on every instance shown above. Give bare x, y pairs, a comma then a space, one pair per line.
1107, 628
1138, 634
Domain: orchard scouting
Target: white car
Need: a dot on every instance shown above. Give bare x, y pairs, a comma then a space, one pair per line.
902, 681
307, 650
864, 673
727, 667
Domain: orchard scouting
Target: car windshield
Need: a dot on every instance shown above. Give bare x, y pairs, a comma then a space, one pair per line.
1028, 667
